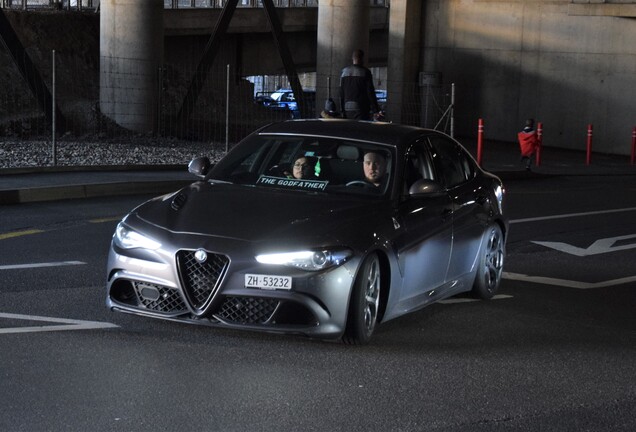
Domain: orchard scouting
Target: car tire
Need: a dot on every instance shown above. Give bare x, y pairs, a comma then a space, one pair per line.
490, 263
365, 303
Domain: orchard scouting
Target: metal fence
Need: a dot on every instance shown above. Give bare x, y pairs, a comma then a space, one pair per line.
78, 93
226, 109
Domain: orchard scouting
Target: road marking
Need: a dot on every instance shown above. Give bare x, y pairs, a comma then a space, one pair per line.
19, 233
569, 215
38, 231
39, 265
470, 300
108, 219
568, 283
65, 324
598, 247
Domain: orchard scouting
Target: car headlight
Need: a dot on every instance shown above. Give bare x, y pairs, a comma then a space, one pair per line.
499, 193
128, 239
311, 260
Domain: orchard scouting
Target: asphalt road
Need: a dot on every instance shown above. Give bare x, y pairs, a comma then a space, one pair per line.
554, 351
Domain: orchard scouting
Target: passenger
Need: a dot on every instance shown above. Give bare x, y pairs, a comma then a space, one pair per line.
303, 168
374, 165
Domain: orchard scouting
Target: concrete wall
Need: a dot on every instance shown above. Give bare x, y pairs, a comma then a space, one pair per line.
562, 63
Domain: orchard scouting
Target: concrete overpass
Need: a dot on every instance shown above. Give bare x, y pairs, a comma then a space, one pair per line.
565, 62
321, 39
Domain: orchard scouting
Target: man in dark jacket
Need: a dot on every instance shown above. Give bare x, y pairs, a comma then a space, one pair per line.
357, 93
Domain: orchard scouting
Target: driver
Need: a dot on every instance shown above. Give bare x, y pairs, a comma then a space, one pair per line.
374, 165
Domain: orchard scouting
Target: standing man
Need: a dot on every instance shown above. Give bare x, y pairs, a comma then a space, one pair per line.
357, 93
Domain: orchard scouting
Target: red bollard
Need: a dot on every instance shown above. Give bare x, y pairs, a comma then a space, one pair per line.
633, 145
588, 158
539, 143
480, 140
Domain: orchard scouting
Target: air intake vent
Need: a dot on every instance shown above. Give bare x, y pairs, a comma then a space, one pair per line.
247, 310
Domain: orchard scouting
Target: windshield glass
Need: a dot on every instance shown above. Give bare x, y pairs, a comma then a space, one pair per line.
316, 164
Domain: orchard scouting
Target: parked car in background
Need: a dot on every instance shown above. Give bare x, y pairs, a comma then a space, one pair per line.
385, 220
380, 95
285, 99
263, 99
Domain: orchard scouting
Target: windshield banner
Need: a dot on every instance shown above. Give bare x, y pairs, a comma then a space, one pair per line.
319, 185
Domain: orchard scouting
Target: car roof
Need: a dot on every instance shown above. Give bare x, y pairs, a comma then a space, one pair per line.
376, 132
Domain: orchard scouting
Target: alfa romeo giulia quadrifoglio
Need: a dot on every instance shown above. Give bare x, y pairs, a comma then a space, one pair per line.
323, 228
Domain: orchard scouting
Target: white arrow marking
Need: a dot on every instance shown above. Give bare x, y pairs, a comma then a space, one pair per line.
68, 324
39, 265
598, 247
568, 283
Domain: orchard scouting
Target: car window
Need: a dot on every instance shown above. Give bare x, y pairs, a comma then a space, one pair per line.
315, 164
452, 163
276, 96
418, 164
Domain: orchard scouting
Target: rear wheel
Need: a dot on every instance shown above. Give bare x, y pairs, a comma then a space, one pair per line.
491, 260
364, 304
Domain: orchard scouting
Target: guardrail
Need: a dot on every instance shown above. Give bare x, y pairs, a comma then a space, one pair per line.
168, 4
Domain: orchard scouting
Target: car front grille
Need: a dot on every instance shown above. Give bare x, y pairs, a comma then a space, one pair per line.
200, 280
159, 298
247, 310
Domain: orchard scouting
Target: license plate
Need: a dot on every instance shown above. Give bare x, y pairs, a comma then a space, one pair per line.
268, 282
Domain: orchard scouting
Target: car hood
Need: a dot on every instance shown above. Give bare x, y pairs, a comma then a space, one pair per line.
260, 214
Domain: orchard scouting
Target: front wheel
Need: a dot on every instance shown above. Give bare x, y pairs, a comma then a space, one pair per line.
364, 304
491, 260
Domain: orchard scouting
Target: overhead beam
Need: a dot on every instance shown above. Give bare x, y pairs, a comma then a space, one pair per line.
585, 8
285, 54
211, 49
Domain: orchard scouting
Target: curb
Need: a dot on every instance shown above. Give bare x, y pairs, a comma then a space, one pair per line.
89, 168
54, 193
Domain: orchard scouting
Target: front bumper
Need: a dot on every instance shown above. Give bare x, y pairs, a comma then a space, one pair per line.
157, 285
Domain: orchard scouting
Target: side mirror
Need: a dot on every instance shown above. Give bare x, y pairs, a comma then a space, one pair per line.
424, 187
199, 166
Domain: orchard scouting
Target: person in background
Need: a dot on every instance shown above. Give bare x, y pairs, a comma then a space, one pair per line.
330, 110
357, 93
528, 143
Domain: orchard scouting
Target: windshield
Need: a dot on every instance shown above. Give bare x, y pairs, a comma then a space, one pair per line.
318, 164
282, 96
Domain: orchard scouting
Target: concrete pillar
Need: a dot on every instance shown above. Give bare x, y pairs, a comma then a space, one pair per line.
131, 53
343, 26
405, 18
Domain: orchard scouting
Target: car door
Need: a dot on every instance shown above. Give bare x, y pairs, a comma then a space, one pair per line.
469, 202
425, 239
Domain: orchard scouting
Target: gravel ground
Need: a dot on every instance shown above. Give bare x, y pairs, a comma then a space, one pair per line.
22, 154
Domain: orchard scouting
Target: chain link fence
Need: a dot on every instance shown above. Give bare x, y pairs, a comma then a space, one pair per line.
228, 107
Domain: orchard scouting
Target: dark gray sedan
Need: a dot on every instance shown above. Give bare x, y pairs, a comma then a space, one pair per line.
323, 228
